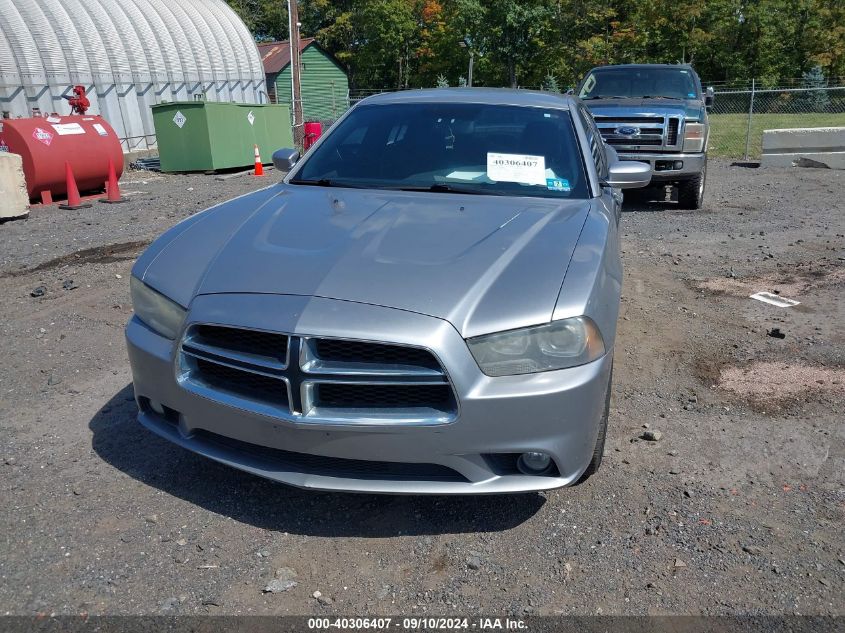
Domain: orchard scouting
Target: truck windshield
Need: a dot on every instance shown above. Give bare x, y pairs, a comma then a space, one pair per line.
670, 83
451, 147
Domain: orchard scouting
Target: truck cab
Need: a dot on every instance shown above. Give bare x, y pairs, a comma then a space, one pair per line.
657, 114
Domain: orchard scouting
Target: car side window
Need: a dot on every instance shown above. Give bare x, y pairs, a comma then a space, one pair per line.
596, 143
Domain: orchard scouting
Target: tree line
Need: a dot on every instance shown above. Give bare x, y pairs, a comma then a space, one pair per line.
395, 44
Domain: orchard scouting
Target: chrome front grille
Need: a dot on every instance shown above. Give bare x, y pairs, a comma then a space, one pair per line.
315, 379
641, 133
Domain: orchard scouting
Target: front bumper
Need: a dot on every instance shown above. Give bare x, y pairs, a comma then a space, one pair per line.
555, 412
693, 164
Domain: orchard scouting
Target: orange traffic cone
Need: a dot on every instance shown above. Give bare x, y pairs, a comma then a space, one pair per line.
259, 167
112, 188
73, 199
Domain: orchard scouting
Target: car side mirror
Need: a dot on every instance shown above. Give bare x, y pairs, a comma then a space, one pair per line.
284, 159
709, 97
628, 174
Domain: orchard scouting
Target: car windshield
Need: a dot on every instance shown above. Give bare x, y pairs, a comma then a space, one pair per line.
451, 147
669, 83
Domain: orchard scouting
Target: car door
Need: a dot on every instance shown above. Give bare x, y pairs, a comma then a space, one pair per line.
602, 155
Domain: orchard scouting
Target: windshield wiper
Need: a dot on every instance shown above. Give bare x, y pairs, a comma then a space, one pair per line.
661, 97
442, 187
604, 97
325, 182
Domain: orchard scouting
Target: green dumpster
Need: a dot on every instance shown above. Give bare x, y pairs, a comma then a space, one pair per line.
208, 136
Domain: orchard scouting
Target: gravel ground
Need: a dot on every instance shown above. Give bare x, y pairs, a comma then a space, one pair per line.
737, 508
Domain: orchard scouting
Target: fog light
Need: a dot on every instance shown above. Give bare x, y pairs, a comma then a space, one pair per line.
534, 463
679, 164
156, 406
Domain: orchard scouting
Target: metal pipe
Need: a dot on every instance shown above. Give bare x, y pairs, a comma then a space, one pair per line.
750, 118
469, 74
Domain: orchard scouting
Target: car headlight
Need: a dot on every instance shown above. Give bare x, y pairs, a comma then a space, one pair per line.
157, 311
693, 137
557, 345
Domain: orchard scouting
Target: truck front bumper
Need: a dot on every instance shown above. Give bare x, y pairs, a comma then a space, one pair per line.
669, 167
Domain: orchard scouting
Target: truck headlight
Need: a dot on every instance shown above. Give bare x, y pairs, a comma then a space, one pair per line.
557, 345
694, 137
157, 311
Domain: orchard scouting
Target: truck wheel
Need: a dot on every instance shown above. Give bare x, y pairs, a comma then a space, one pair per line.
598, 451
691, 192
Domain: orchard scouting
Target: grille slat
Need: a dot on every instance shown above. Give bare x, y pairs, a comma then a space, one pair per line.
672, 132
338, 380
242, 383
255, 342
383, 396
627, 119
338, 350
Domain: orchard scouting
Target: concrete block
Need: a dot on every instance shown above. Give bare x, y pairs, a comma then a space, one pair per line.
787, 148
14, 202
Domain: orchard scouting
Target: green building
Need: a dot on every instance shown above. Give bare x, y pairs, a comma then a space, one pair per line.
325, 86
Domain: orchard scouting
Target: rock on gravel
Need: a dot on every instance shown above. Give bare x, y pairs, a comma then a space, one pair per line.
279, 585
652, 436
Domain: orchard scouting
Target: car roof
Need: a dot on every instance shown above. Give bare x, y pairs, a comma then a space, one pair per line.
490, 96
644, 66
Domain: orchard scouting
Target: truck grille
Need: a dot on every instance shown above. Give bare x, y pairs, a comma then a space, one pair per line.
314, 380
640, 133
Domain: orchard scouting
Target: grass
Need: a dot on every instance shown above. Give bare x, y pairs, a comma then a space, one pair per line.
727, 131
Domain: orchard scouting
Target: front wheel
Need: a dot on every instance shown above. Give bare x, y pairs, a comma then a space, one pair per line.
691, 192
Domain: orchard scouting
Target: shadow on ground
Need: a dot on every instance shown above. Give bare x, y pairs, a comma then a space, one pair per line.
122, 442
653, 199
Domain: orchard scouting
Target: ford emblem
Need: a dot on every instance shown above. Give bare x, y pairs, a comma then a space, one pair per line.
628, 130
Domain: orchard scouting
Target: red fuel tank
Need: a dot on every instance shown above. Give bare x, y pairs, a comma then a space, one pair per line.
46, 143
313, 131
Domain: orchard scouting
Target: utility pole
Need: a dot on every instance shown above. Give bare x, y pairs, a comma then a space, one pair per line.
295, 79
469, 74
467, 44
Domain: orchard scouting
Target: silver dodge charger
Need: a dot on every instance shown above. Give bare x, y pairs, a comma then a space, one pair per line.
426, 304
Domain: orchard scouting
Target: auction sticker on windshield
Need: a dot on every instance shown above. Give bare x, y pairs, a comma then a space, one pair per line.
521, 168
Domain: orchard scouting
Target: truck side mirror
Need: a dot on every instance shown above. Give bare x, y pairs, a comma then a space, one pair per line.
284, 159
709, 97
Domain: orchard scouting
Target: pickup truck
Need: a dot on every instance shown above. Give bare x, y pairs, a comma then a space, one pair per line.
657, 114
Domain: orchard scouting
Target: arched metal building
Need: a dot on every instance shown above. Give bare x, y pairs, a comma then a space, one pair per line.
128, 54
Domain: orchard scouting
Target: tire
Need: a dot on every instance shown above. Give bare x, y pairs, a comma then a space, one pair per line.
598, 451
691, 192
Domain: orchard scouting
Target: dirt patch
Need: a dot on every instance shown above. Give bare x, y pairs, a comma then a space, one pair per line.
772, 382
799, 281
99, 255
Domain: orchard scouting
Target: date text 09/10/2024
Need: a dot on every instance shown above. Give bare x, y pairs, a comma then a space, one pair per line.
417, 623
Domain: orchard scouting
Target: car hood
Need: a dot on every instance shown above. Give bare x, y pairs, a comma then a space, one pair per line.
638, 106
484, 263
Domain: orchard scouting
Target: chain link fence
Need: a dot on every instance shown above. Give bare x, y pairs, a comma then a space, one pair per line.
738, 117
